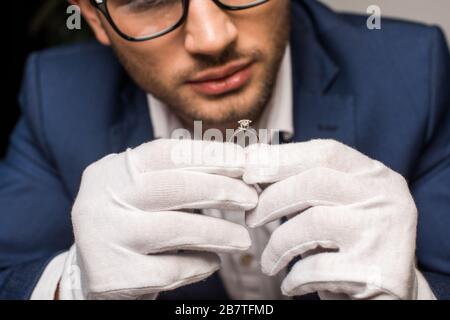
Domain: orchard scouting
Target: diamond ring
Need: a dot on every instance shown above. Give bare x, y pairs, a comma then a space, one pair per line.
244, 134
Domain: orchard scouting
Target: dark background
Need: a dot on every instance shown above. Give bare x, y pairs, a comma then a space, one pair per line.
28, 26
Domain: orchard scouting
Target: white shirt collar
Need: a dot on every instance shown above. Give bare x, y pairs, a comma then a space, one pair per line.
278, 114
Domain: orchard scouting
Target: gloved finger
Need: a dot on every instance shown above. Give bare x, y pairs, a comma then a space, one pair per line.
179, 189
311, 274
332, 275
158, 232
138, 275
203, 156
272, 163
311, 232
314, 187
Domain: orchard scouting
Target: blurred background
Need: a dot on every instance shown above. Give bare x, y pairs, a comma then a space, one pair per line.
32, 25
430, 12
38, 24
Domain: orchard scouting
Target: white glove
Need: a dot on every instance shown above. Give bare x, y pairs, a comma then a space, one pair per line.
128, 226
352, 220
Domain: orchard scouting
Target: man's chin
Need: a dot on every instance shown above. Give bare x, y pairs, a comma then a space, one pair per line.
220, 111
220, 114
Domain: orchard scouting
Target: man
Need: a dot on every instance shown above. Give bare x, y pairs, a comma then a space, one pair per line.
151, 220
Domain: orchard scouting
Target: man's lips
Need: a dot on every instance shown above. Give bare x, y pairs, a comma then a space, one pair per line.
222, 79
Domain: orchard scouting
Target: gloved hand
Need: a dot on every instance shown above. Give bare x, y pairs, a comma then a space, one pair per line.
351, 219
129, 226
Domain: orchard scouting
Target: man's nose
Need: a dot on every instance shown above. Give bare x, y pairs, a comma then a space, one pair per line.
209, 30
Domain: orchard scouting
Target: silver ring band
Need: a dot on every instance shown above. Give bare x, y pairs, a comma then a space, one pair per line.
244, 126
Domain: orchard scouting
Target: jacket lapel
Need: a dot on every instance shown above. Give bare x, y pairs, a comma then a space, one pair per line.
133, 126
320, 110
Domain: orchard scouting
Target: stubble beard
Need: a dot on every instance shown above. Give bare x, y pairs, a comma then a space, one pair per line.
223, 111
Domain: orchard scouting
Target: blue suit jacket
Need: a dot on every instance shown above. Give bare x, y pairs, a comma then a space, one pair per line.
385, 93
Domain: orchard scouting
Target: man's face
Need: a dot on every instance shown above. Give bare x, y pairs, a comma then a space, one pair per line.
219, 67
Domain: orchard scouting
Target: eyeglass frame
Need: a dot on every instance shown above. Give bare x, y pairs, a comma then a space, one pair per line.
103, 8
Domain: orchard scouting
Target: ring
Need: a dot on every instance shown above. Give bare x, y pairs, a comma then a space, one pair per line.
241, 133
244, 131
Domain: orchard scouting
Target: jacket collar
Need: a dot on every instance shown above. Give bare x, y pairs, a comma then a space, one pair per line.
313, 68
321, 110
133, 126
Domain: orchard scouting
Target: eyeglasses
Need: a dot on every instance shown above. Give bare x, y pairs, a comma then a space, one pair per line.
141, 20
